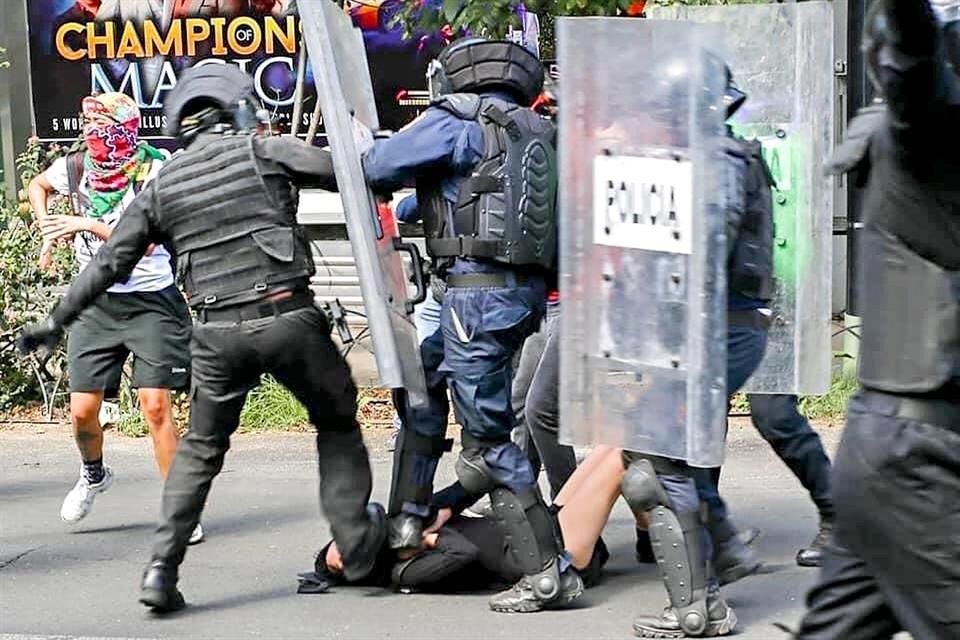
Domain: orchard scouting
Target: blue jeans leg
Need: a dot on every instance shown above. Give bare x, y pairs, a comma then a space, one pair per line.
745, 349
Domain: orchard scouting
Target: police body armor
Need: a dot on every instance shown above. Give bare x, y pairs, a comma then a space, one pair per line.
750, 254
506, 209
910, 340
237, 239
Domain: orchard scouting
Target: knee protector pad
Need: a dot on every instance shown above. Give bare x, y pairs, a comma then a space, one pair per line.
640, 486
473, 473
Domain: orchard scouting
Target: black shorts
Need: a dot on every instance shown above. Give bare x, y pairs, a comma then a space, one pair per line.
154, 326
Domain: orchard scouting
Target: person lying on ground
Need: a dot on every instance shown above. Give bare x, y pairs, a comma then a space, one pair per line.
468, 554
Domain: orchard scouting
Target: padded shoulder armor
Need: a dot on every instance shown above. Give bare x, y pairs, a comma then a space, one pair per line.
465, 106
853, 152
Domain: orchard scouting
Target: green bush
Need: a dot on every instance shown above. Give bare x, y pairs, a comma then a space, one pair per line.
833, 405
26, 291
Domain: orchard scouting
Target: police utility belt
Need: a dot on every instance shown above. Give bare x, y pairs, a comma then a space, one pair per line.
259, 309
753, 318
941, 411
497, 279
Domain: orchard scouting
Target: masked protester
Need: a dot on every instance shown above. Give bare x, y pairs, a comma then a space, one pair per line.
144, 316
894, 565
227, 205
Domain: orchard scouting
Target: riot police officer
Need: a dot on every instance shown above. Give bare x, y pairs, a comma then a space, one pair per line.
895, 564
485, 169
749, 292
696, 557
226, 204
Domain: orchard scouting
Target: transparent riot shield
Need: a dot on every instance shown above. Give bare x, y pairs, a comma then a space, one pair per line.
643, 355
782, 57
339, 63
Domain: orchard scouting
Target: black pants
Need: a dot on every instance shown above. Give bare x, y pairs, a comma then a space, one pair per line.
795, 442
896, 485
543, 416
228, 360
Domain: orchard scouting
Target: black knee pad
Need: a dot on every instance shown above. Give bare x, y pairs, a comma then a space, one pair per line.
473, 472
640, 486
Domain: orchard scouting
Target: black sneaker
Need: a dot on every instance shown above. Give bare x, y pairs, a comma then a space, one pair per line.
593, 572
521, 598
158, 589
812, 556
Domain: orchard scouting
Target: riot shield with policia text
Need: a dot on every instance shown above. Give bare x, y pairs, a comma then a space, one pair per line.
339, 62
783, 61
643, 355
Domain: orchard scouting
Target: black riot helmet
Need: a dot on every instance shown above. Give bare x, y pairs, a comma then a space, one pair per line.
216, 97
733, 97
878, 35
474, 65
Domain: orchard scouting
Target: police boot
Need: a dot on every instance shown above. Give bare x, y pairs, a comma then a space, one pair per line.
812, 556
721, 621
545, 590
415, 462
158, 589
732, 559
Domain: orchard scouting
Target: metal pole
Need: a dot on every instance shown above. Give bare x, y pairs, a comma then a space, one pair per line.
860, 94
16, 109
298, 92
314, 123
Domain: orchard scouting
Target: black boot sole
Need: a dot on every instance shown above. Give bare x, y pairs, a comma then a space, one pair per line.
162, 601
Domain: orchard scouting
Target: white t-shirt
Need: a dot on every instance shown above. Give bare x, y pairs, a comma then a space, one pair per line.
152, 273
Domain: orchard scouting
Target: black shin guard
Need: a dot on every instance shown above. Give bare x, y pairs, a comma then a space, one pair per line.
678, 542
415, 460
532, 537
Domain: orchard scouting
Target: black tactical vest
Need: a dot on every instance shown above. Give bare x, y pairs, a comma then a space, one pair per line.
910, 259
506, 208
237, 241
749, 229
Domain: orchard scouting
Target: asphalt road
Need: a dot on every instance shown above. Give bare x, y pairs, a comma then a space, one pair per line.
263, 526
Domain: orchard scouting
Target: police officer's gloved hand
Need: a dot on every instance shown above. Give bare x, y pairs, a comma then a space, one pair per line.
41, 338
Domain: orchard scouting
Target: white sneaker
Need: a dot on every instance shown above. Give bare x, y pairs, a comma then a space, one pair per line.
79, 501
197, 536
481, 509
109, 414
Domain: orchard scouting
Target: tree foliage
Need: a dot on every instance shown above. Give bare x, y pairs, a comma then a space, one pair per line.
494, 18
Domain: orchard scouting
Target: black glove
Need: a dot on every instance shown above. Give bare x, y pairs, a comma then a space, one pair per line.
41, 338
